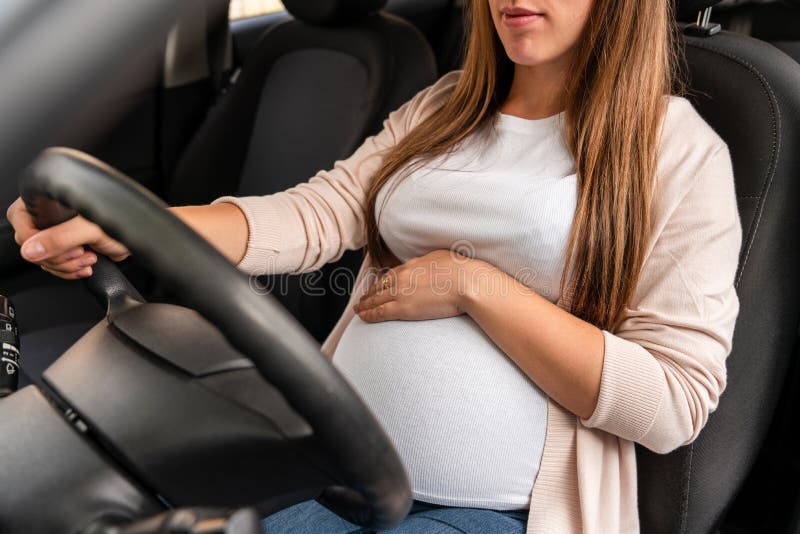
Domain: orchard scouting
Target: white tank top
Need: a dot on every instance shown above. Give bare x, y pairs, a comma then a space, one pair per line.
468, 423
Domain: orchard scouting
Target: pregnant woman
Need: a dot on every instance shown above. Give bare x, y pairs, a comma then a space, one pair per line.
551, 239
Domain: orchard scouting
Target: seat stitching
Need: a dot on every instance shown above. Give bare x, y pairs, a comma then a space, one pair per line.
776, 142
685, 503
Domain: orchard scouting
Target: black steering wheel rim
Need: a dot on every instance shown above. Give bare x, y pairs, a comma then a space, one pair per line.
375, 490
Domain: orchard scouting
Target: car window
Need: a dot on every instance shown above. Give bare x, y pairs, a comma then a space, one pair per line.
240, 9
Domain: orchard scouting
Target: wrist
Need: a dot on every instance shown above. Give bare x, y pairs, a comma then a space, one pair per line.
476, 278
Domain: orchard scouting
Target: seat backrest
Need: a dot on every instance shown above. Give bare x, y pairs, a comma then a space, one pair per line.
774, 21
442, 22
309, 93
750, 94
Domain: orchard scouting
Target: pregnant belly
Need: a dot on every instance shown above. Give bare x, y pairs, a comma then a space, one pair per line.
468, 424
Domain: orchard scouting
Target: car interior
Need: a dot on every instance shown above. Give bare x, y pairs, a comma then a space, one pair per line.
188, 105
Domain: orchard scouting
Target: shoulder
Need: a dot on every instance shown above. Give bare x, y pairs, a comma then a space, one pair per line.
447, 82
685, 136
689, 150
695, 210
443, 87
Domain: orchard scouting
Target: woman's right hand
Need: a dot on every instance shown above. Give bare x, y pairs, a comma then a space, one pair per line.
67, 250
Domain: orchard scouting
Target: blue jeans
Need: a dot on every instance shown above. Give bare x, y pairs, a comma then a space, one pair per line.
312, 518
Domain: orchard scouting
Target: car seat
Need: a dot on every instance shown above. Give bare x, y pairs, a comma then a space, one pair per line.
748, 91
774, 21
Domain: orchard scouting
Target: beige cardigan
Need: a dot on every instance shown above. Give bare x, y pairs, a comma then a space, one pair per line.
664, 367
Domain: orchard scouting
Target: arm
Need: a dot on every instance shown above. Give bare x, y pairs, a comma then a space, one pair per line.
561, 354
222, 225
659, 375
664, 366
293, 231
314, 223
63, 250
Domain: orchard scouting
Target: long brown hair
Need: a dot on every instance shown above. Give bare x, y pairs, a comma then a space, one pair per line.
624, 65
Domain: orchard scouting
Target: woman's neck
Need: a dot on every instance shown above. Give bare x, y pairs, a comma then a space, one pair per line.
536, 91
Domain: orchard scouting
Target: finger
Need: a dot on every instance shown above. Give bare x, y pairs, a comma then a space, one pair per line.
72, 266
119, 257
389, 311
14, 208
21, 220
60, 239
83, 273
386, 280
73, 254
11, 208
371, 301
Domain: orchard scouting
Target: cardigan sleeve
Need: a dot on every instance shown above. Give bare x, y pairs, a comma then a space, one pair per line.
313, 223
664, 366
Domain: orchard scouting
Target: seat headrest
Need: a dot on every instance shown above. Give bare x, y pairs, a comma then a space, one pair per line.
691, 7
327, 12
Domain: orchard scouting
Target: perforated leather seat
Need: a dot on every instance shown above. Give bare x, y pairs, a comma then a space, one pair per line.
308, 94
748, 91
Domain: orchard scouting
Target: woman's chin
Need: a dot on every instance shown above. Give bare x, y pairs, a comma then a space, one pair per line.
528, 59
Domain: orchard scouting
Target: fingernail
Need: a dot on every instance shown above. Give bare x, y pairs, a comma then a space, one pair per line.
85, 272
33, 250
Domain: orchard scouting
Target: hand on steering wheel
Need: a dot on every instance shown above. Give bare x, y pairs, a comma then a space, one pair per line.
62, 249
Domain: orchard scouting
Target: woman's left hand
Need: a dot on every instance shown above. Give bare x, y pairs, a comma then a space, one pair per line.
428, 287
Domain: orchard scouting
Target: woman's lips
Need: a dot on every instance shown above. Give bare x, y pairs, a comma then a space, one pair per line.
518, 18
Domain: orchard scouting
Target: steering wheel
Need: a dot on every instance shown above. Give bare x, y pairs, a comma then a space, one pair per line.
373, 489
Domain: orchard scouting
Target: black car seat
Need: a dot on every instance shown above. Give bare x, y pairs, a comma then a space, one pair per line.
774, 21
748, 91
442, 22
309, 93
